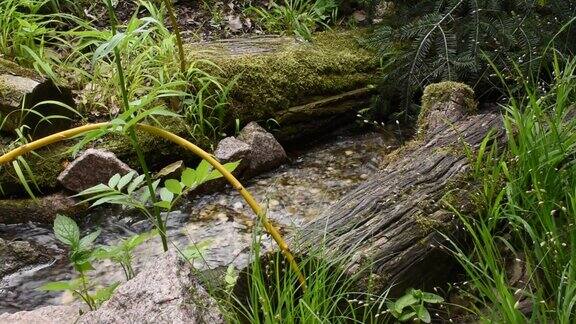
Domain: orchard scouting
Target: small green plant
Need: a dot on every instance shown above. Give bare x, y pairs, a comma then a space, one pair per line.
123, 190
81, 249
298, 17
412, 306
121, 253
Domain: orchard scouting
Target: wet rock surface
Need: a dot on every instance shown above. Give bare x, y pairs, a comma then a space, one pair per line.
91, 168
295, 193
16, 255
164, 292
48, 314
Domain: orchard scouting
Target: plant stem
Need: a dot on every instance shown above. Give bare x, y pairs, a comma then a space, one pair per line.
168, 4
132, 133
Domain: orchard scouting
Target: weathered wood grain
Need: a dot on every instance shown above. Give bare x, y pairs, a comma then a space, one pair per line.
393, 221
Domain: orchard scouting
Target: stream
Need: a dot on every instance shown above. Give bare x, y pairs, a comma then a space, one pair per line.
293, 194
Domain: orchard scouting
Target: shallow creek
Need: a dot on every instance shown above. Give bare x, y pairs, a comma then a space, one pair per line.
293, 194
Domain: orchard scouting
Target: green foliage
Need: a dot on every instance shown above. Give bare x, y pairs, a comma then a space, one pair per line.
268, 292
298, 17
81, 255
129, 191
121, 252
529, 208
411, 306
436, 40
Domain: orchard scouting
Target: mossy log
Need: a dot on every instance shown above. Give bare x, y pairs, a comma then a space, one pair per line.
21, 92
286, 80
392, 224
42, 210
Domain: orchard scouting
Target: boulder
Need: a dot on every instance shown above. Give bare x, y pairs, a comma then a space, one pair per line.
93, 167
19, 254
48, 314
265, 151
164, 292
231, 149
40, 210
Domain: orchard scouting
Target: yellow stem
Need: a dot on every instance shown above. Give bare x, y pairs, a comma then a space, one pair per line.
67, 134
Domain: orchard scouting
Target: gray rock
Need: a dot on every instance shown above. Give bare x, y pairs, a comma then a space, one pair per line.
164, 292
265, 151
19, 254
48, 314
231, 149
91, 168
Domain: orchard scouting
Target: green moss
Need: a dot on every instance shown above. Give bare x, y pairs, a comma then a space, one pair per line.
49, 161
442, 92
427, 225
9, 67
281, 73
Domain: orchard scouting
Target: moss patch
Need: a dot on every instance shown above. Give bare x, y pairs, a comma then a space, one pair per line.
278, 73
437, 93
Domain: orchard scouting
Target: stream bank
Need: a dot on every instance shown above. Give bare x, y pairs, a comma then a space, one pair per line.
295, 193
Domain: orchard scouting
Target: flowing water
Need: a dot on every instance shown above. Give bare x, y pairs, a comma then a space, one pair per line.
293, 194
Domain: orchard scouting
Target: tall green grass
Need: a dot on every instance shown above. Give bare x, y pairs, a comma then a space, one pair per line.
528, 214
269, 292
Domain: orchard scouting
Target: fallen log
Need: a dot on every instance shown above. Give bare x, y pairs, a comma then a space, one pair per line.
391, 224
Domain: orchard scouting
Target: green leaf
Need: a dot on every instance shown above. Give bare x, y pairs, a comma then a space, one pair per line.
114, 180
231, 276
188, 177
174, 186
166, 195
136, 183
87, 240
202, 171
406, 317
194, 251
404, 301
431, 298
108, 47
390, 306
126, 179
215, 174
59, 285
66, 230
103, 294
164, 204
423, 314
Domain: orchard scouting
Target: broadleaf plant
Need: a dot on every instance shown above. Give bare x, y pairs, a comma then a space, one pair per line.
412, 306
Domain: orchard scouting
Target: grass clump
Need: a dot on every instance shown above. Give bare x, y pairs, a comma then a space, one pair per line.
296, 17
521, 266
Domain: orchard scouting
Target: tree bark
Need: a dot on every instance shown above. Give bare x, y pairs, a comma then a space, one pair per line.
392, 225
